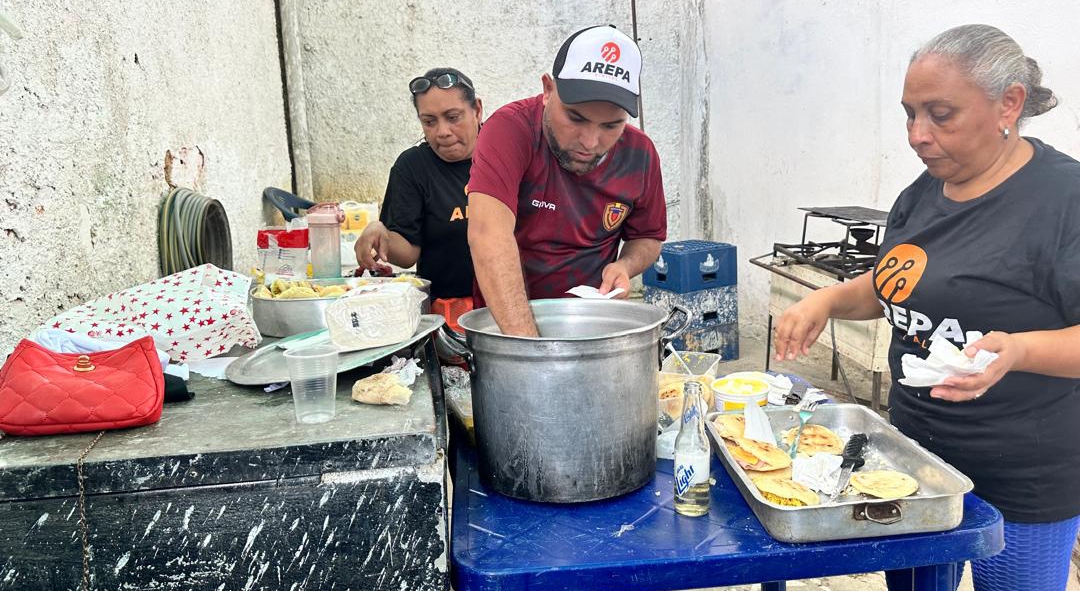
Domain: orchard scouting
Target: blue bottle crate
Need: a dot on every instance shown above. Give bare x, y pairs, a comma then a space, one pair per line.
693, 265
707, 307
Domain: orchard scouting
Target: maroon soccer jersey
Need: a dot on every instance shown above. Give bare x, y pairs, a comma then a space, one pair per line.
568, 225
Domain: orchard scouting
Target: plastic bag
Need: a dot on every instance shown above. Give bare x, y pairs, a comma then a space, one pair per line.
374, 315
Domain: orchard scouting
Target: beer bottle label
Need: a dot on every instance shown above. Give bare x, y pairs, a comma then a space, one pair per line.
690, 469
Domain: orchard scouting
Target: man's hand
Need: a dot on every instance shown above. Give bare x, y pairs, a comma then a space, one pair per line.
615, 275
636, 256
372, 246
1011, 352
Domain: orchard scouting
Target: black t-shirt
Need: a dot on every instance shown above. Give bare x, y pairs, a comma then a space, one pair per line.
1007, 261
425, 202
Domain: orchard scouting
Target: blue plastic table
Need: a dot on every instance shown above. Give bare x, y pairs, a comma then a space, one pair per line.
638, 542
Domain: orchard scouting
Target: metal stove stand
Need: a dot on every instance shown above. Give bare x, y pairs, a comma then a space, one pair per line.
847, 258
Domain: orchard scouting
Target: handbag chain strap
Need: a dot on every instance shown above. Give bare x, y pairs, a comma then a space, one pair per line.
82, 513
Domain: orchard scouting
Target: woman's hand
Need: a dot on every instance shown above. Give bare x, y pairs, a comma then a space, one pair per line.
1011, 351
799, 326
372, 246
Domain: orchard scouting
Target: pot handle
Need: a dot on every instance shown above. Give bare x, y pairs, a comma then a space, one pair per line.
665, 339
450, 346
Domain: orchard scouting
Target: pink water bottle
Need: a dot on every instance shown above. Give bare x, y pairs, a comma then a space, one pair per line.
324, 231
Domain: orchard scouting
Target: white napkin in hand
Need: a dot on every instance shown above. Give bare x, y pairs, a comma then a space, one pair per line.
819, 471
758, 426
945, 360
589, 292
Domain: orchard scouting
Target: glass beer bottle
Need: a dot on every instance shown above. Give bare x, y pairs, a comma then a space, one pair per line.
692, 455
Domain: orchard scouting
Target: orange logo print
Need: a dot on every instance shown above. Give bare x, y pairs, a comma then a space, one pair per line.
898, 272
610, 52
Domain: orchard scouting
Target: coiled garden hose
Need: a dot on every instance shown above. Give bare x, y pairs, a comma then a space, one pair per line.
193, 230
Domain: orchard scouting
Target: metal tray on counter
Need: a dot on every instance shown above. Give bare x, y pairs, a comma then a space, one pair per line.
938, 505
266, 365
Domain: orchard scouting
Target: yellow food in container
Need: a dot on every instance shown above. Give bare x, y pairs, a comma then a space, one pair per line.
733, 393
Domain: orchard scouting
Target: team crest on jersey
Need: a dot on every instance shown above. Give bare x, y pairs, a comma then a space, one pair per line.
614, 214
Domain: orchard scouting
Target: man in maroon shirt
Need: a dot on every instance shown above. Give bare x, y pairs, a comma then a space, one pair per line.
559, 180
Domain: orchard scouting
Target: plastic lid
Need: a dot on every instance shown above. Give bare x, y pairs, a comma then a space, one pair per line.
325, 214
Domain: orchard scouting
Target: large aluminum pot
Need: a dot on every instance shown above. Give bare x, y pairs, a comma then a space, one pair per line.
570, 416
283, 318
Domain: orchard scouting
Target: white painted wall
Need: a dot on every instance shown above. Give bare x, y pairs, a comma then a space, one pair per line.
356, 59
756, 108
804, 108
101, 90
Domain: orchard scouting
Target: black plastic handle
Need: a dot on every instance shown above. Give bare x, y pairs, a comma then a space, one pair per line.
853, 451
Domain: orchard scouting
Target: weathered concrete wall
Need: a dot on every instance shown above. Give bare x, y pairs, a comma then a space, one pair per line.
804, 109
101, 91
355, 60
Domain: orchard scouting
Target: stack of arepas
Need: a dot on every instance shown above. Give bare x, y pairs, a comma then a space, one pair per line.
767, 466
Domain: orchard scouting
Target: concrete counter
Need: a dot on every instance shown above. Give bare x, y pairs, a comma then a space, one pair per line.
227, 491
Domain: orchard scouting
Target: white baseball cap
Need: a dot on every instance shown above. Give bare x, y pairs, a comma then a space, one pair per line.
599, 64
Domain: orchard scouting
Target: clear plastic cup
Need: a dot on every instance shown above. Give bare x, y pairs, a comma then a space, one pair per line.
313, 376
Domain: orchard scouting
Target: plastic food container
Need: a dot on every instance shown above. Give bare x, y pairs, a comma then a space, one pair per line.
735, 392
700, 364
673, 375
775, 391
671, 393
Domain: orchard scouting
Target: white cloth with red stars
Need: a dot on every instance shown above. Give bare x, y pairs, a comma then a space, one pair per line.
192, 315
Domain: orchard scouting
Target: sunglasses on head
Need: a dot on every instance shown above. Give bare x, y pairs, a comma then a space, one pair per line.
421, 84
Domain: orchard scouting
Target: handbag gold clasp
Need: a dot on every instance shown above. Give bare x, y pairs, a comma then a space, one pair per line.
83, 364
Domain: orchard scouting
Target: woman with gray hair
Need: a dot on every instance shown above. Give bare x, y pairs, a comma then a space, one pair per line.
983, 251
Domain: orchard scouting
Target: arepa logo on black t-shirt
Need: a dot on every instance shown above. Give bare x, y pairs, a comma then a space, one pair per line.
895, 278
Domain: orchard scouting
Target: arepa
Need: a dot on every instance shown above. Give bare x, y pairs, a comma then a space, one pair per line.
884, 484
730, 426
769, 457
756, 475
786, 492
815, 439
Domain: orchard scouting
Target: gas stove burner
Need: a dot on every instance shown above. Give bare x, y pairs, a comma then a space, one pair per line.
854, 254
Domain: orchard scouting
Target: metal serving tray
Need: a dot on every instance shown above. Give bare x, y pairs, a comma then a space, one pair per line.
938, 505
266, 365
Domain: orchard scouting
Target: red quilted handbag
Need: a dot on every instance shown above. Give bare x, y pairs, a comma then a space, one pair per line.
43, 392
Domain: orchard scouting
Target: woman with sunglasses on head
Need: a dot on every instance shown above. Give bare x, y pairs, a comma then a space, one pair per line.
424, 216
